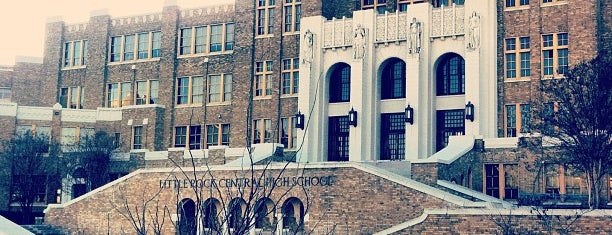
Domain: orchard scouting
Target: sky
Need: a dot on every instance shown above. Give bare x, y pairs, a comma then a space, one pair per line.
22, 22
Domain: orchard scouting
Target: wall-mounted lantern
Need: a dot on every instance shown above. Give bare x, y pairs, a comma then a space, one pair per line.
299, 123
352, 115
409, 115
469, 111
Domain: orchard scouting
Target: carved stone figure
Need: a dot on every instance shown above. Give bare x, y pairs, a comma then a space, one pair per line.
308, 50
414, 40
359, 42
473, 37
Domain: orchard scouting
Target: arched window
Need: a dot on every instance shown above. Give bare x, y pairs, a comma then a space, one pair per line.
210, 218
393, 80
340, 83
293, 215
236, 210
79, 187
187, 219
264, 214
450, 77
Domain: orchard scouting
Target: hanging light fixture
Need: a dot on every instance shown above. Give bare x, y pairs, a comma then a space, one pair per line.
352, 115
469, 111
409, 115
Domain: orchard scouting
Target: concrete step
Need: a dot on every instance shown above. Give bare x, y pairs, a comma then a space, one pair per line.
44, 229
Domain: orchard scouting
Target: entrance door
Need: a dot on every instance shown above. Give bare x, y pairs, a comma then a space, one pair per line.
449, 122
392, 136
338, 142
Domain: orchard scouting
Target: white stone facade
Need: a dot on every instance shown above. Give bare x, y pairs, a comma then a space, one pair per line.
441, 31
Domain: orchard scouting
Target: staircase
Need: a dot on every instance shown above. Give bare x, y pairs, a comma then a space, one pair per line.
44, 229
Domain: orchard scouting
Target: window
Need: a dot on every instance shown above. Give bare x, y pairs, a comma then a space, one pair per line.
145, 45
517, 118
195, 137
288, 135
518, 48
188, 136
118, 95
137, 137
71, 135
525, 124
75, 53
393, 80
291, 76
217, 134
402, 5
548, 114
449, 123
510, 120
554, 54
293, 13
501, 180
262, 131
379, 5
147, 92
35, 184
263, 78
5, 94
551, 184
393, 136
512, 3
546, 2
37, 131
265, 17
71, 97
574, 182
340, 84
450, 75
219, 88
190, 90
338, 139
446, 3
206, 39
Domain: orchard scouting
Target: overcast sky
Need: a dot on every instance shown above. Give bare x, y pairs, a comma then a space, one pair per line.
22, 22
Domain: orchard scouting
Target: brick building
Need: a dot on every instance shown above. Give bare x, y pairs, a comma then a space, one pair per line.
374, 81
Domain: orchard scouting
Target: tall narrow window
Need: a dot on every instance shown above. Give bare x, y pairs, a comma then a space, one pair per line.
137, 137
263, 78
180, 136
115, 49
340, 84
128, 47
288, 135
5, 94
265, 17
338, 139
229, 37
393, 136
71, 97
118, 94
525, 118
155, 44
126, 94
185, 41
290, 76
492, 180
146, 92
393, 80
195, 137
217, 134
554, 54
216, 38
450, 75
201, 39
293, 13
510, 120
76, 54
143, 45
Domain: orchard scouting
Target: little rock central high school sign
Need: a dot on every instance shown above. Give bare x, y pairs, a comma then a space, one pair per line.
302, 181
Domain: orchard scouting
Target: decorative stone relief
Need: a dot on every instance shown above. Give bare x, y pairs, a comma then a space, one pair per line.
359, 42
414, 40
473, 35
307, 51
